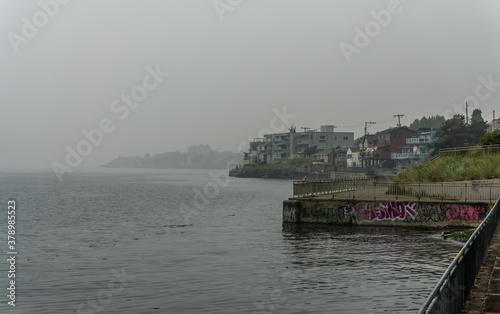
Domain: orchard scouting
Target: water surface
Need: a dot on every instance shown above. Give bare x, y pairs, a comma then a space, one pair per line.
233, 255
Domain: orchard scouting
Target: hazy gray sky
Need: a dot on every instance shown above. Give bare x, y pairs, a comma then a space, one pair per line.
229, 69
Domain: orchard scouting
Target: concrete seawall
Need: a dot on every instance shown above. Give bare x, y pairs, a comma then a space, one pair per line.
428, 214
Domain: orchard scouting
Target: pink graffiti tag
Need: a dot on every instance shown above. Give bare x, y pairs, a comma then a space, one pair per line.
388, 210
349, 209
465, 212
395, 210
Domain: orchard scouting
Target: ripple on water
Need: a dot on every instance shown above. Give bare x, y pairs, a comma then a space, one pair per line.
233, 256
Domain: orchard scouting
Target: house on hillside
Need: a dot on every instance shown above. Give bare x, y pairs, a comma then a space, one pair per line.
323, 161
494, 125
368, 140
256, 152
353, 158
417, 149
340, 159
388, 141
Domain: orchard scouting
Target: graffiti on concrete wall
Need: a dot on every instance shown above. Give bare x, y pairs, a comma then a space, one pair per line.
432, 214
469, 213
387, 210
330, 214
429, 213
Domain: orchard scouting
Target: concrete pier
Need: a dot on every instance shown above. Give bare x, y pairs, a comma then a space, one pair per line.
370, 202
401, 213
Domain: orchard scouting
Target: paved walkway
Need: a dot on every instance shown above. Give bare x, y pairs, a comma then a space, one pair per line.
485, 295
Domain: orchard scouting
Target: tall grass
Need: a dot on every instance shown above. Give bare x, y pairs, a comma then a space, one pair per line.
470, 166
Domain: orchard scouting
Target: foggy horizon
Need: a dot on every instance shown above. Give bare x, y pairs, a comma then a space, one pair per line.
229, 71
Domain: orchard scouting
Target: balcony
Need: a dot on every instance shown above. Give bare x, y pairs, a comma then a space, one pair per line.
405, 156
418, 140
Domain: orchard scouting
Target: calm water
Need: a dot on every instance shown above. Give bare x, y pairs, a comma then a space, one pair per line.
115, 240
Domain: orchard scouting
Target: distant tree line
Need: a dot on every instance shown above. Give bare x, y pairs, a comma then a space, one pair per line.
428, 122
197, 157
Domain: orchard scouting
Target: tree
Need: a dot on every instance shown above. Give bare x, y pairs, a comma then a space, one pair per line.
453, 133
428, 122
311, 151
491, 138
477, 128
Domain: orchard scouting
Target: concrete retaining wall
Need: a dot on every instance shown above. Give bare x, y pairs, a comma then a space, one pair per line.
385, 213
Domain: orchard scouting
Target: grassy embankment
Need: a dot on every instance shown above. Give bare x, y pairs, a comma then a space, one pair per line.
470, 166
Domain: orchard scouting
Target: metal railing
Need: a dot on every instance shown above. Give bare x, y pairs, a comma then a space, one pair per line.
320, 187
363, 188
495, 148
418, 140
450, 294
405, 155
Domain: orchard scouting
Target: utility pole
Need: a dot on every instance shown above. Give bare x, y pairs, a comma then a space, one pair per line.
399, 118
364, 139
466, 113
493, 122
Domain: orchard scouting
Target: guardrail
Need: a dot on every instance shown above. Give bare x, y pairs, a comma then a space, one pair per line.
405, 155
418, 140
319, 187
370, 189
495, 148
450, 294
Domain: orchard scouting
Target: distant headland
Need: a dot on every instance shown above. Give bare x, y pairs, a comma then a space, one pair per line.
197, 157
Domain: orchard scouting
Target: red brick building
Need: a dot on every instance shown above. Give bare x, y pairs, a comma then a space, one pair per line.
388, 141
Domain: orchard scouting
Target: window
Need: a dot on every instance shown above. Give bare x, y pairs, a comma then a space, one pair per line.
397, 135
387, 150
345, 138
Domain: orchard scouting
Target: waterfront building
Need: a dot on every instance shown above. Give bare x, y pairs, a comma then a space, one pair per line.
417, 149
388, 142
281, 147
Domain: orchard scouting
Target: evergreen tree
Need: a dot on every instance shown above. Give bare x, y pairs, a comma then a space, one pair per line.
453, 133
477, 128
428, 122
